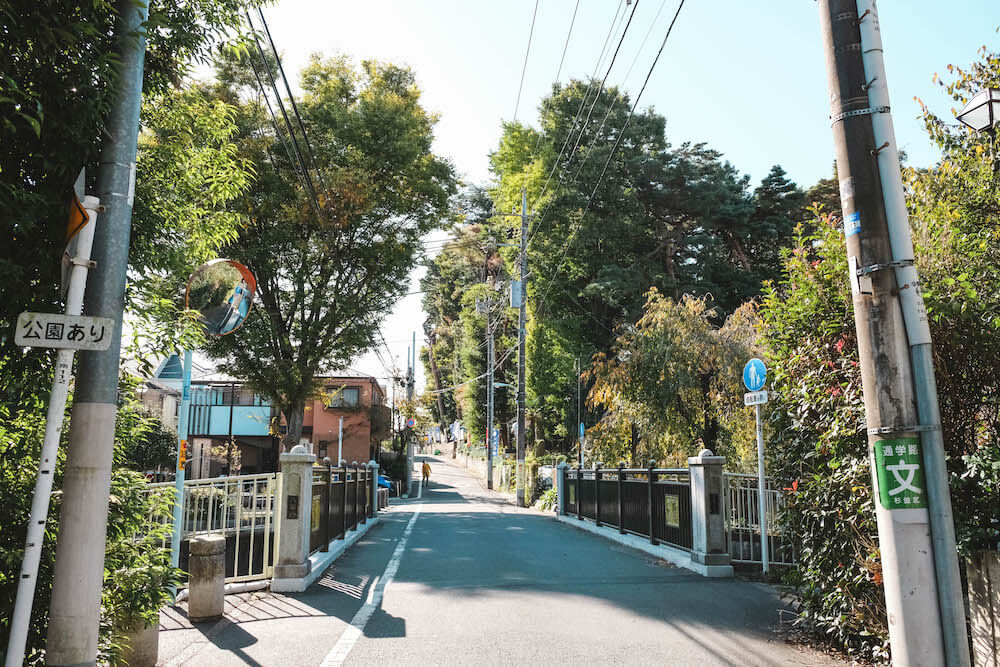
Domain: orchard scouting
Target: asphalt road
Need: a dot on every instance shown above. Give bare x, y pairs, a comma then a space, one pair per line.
472, 580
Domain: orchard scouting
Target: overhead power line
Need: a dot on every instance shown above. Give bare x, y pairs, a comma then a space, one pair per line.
565, 165
562, 59
524, 68
611, 155
299, 161
478, 377
579, 113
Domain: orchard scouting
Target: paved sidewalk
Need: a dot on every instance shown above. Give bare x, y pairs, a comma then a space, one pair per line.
461, 577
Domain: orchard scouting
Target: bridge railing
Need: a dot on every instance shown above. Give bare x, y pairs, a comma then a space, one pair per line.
341, 500
243, 508
622, 497
743, 520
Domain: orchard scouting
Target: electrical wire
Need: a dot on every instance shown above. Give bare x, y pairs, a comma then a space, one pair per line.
288, 124
579, 112
524, 68
478, 377
295, 107
611, 155
562, 60
600, 89
538, 223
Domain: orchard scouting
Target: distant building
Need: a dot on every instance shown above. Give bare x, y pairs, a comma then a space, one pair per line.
361, 402
225, 411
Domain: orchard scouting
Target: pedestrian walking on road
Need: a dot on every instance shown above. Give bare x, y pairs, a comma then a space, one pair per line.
426, 469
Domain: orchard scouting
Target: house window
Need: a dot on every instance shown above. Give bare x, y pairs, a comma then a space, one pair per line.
344, 397
323, 445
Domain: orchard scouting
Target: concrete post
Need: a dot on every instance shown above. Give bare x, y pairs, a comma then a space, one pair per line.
207, 578
373, 509
708, 525
561, 488
296, 515
983, 568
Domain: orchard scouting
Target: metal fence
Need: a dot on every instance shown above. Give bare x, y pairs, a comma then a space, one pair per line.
341, 500
243, 508
653, 503
743, 521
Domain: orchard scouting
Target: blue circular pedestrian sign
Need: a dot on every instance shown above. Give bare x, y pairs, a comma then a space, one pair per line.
754, 375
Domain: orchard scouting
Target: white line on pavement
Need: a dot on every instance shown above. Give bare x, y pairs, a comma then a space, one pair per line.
353, 632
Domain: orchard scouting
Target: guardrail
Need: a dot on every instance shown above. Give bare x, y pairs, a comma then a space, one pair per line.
651, 502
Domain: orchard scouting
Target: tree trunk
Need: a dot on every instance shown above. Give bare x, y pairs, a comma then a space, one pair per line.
738, 251
442, 422
294, 417
710, 425
634, 446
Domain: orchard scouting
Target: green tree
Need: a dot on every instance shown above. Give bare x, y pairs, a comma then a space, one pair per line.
58, 82
465, 288
671, 385
326, 278
677, 218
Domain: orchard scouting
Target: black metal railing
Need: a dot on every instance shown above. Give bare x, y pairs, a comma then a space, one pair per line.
341, 501
651, 502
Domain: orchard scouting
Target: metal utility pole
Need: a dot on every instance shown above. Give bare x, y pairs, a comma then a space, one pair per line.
229, 440
521, 358
916, 534
74, 614
489, 403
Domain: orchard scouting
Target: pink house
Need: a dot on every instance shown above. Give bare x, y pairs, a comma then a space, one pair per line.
360, 401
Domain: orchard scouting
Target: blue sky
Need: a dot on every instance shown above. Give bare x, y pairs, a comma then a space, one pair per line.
746, 77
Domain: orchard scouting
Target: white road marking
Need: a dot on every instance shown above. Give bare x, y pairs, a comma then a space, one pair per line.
353, 632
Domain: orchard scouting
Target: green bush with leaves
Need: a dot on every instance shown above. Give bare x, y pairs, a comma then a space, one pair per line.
137, 559
817, 446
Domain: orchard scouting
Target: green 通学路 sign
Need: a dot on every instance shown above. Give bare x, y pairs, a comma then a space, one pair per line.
900, 474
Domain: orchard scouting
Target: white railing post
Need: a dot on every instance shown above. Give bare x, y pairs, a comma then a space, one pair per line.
295, 520
708, 525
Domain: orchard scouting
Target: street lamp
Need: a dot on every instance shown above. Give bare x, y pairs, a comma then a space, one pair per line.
983, 110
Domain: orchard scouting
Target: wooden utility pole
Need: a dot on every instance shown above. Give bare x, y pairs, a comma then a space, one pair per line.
885, 295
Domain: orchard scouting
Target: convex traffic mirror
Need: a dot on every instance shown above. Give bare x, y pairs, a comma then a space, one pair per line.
222, 290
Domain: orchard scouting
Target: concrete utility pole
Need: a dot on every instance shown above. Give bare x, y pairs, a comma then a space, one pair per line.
75, 610
489, 402
579, 413
521, 358
912, 503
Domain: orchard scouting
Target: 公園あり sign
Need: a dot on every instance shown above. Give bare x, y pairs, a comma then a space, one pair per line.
73, 332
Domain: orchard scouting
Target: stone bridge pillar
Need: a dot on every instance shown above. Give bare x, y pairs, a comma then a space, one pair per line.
708, 523
292, 563
561, 488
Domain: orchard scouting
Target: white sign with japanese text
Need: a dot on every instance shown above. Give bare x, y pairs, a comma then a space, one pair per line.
75, 332
755, 398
